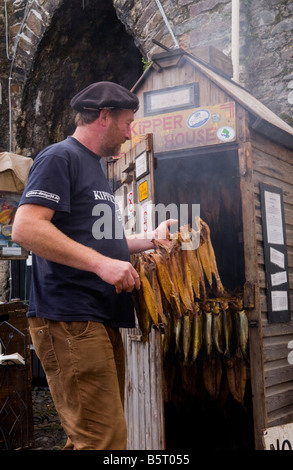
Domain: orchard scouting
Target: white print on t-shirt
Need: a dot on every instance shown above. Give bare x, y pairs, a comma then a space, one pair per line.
44, 195
104, 196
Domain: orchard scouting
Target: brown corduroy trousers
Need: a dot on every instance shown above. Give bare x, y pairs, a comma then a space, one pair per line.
84, 367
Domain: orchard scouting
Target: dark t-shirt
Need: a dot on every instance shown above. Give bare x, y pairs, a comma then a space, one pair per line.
68, 178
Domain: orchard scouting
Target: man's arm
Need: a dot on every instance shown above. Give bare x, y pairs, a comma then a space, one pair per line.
33, 229
143, 242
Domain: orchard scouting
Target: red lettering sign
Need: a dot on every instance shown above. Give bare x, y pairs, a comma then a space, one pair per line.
174, 131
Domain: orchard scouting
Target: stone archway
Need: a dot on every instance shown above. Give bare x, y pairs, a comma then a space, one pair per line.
69, 37
78, 43
31, 19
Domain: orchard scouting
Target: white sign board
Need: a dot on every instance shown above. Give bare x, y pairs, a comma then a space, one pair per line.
279, 437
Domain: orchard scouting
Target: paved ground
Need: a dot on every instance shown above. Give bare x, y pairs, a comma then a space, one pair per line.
48, 432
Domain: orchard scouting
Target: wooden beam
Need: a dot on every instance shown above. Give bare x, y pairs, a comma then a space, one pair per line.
251, 277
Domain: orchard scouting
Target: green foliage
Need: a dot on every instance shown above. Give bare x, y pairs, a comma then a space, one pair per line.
145, 63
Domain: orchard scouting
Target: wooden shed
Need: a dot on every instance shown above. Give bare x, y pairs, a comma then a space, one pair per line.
199, 138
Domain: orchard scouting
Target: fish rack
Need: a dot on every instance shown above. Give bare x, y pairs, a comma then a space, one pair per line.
207, 336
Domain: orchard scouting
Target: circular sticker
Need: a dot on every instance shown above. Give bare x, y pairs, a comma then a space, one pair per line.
6, 231
198, 118
226, 133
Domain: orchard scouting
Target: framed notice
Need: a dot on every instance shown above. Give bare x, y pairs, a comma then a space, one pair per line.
141, 166
275, 250
170, 99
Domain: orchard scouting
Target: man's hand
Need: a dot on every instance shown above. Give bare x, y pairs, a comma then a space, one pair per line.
121, 274
162, 232
143, 241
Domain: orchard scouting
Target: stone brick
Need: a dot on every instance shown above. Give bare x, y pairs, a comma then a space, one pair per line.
205, 5
185, 2
283, 26
290, 98
35, 23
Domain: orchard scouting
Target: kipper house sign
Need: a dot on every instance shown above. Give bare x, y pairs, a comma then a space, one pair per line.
187, 128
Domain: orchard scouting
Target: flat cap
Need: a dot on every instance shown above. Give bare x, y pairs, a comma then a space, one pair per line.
104, 95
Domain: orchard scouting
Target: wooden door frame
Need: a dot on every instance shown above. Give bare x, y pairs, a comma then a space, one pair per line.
252, 302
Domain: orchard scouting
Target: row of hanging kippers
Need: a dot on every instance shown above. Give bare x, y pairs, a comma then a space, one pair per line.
194, 327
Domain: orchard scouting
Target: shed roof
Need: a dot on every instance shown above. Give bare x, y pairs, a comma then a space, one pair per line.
263, 120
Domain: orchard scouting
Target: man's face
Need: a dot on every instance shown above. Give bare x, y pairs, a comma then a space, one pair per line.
117, 132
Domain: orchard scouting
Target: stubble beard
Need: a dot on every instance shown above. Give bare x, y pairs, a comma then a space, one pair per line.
109, 152
110, 148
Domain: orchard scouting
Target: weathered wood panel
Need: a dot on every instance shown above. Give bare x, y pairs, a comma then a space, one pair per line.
251, 275
272, 164
279, 396
281, 416
144, 391
277, 371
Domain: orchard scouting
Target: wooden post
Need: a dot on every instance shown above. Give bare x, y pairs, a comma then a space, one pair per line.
252, 305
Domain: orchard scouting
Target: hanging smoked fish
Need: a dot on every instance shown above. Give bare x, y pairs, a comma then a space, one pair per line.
207, 327
142, 312
148, 293
208, 259
197, 332
237, 376
217, 328
227, 327
186, 336
212, 374
241, 325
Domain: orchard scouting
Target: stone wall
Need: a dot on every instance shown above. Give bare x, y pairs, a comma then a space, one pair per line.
56, 47
266, 39
269, 62
61, 47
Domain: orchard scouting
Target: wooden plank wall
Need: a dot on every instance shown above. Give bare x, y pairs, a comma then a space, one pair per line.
273, 164
144, 391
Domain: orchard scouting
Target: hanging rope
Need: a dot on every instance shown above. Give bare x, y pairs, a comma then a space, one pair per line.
167, 23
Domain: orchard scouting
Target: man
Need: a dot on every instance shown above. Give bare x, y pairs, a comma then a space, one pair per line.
81, 281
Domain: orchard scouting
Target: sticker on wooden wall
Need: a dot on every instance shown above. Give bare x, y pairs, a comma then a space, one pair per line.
130, 204
143, 191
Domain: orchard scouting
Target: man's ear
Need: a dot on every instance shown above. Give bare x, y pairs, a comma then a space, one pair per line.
104, 116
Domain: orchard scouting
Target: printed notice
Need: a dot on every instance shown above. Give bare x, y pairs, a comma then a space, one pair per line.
276, 257
275, 254
279, 301
141, 165
274, 218
279, 278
